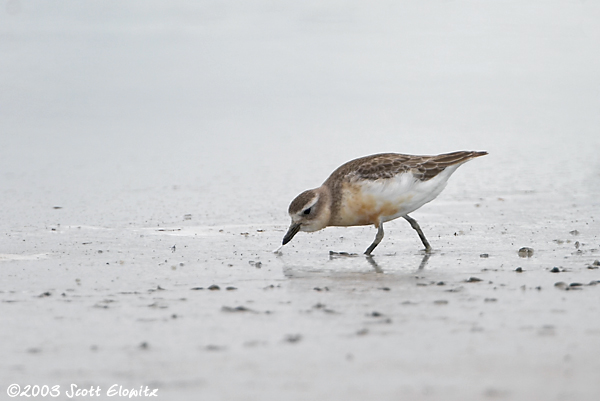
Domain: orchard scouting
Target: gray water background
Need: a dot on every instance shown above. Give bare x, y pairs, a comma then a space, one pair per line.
118, 119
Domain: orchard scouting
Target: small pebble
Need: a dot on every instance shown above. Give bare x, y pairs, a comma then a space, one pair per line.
555, 270
34, 350
519, 270
473, 280
573, 286
333, 253
525, 252
214, 287
484, 255
292, 338
236, 309
214, 348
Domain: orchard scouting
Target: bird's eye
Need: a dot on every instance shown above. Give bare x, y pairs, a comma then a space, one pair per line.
307, 211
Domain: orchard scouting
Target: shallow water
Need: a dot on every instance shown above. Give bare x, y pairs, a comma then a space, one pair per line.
149, 151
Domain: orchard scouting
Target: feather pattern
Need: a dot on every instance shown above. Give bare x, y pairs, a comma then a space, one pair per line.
382, 187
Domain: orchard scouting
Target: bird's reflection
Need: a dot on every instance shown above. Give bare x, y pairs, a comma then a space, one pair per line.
378, 268
373, 262
424, 261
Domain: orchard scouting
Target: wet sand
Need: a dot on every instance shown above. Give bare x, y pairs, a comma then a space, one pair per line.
142, 203
221, 317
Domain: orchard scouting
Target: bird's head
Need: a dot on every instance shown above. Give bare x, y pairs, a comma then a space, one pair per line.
310, 211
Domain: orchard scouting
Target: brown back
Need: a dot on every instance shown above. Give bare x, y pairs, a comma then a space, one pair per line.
387, 165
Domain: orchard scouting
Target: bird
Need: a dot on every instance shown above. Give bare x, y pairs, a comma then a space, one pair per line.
373, 190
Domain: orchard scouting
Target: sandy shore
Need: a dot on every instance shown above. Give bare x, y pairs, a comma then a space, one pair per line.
149, 154
210, 312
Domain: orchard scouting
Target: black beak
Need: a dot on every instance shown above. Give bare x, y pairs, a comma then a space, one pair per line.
293, 230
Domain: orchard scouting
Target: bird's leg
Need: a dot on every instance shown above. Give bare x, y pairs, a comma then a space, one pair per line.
377, 240
415, 225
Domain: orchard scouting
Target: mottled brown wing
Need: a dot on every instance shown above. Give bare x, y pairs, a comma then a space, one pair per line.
433, 165
387, 165
384, 165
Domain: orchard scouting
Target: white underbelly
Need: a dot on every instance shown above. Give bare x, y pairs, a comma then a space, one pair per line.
376, 201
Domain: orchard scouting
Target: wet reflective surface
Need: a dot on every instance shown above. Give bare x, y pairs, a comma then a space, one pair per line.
149, 154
